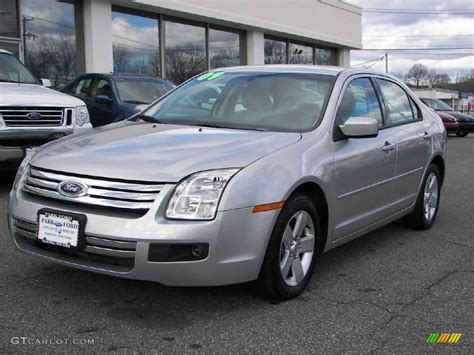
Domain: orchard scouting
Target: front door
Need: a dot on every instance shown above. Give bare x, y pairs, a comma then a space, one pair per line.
364, 167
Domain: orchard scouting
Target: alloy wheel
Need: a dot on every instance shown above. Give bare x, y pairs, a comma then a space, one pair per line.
430, 200
297, 248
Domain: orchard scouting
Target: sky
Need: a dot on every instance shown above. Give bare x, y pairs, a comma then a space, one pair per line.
397, 24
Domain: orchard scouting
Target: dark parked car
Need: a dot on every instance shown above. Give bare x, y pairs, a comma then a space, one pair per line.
114, 97
454, 122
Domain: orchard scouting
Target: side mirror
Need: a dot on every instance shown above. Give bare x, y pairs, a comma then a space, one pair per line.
360, 127
46, 83
103, 99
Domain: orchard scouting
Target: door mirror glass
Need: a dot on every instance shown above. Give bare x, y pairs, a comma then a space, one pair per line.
360, 127
103, 99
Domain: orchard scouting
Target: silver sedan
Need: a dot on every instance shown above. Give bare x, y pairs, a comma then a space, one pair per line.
240, 174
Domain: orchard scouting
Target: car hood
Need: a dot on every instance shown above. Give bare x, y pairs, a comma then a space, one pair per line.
158, 152
461, 116
444, 115
31, 95
458, 115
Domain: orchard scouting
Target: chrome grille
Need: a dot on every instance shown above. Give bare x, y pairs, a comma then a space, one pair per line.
32, 116
117, 250
100, 192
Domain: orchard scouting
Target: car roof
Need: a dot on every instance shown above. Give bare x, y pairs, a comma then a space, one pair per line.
128, 76
308, 69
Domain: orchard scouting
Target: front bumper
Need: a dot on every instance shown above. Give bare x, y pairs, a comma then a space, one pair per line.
237, 241
14, 140
466, 127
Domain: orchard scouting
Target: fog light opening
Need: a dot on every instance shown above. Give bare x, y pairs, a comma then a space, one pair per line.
196, 250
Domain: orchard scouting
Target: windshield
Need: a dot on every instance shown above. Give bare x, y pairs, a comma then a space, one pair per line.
12, 70
291, 102
141, 92
437, 105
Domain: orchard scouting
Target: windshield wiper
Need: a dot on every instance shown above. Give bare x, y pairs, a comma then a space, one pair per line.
7, 81
150, 119
212, 125
136, 102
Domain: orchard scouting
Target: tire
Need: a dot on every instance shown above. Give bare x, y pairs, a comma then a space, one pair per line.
426, 207
294, 257
462, 134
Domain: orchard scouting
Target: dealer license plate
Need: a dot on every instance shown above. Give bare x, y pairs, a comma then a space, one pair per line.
58, 229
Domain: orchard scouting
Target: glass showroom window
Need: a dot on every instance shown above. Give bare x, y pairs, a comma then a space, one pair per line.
275, 51
300, 54
136, 47
50, 37
224, 48
9, 26
185, 51
324, 56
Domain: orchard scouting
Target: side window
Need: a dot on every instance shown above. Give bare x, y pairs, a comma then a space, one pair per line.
416, 110
399, 108
82, 88
359, 100
102, 88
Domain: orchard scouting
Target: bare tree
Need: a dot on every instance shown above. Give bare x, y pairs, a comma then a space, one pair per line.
183, 62
417, 74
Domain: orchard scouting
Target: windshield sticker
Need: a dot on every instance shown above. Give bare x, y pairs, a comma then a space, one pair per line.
211, 75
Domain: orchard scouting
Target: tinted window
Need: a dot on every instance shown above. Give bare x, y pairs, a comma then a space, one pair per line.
282, 102
359, 100
82, 88
102, 88
396, 99
324, 56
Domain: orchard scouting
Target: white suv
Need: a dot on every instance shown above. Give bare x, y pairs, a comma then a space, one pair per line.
32, 114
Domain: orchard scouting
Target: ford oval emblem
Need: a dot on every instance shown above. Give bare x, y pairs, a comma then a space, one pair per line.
33, 116
72, 189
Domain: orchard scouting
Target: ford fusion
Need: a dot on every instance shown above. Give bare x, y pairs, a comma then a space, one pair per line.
241, 174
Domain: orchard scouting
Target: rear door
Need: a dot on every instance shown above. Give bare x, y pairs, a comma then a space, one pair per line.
364, 167
413, 137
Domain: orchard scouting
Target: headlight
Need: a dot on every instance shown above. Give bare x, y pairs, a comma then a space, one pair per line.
23, 167
82, 115
197, 197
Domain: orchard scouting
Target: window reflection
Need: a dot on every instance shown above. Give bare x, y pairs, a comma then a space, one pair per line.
185, 51
300, 54
135, 44
224, 48
275, 51
9, 18
50, 32
324, 56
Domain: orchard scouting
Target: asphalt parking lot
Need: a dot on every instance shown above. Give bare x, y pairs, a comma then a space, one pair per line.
384, 292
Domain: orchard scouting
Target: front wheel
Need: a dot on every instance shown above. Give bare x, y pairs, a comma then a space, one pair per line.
427, 203
291, 252
462, 134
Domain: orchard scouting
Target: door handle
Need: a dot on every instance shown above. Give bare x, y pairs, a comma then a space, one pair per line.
427, 135
388, 147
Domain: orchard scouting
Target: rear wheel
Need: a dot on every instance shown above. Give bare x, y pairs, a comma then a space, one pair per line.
291, 251
426, 208
462, 134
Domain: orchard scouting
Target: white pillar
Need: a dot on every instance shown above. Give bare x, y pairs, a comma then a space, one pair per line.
97, 18
344, 57
255, 44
